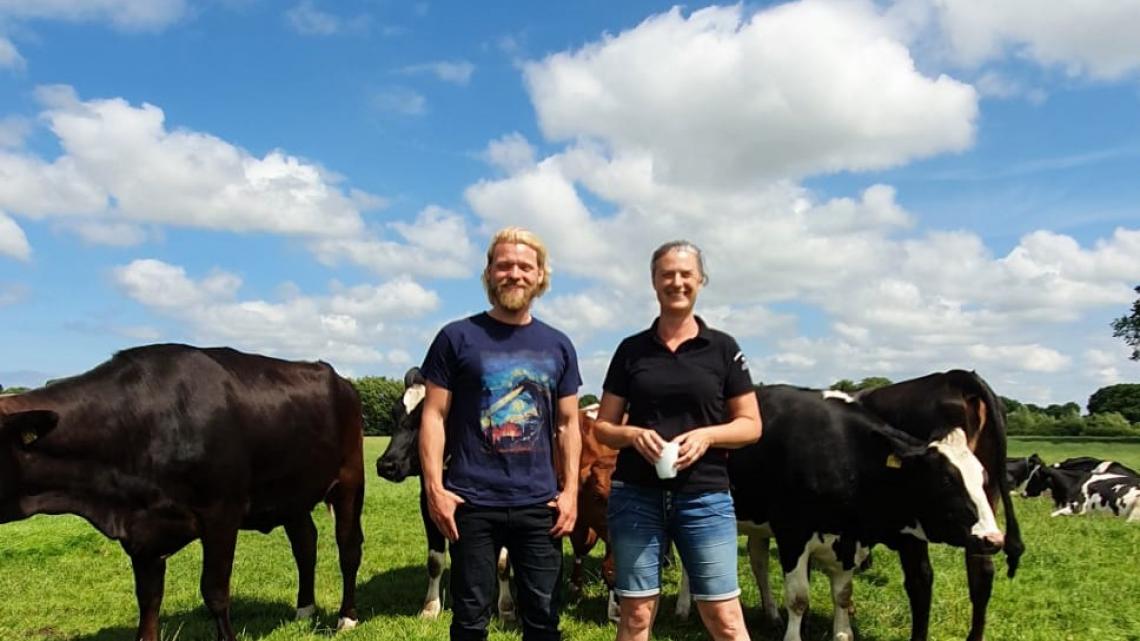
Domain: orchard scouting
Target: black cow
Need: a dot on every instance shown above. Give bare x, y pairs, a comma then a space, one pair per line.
401, 460
930, 407
829, 479
165, 444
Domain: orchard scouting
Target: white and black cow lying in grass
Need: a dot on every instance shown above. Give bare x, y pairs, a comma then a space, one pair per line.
401, 460
1107, 486
828, 479
1063, 480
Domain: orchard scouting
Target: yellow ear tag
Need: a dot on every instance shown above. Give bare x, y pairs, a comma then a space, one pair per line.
893, 461
29, 437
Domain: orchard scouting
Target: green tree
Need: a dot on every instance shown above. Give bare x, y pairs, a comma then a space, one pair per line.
845, 385
872, 382
1010, 405
1062, 411
378, 395
1109, 424
587, 399
14, 390
1128, 328
1123, 398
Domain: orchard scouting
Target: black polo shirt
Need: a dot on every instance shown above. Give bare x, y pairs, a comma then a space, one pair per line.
673, 392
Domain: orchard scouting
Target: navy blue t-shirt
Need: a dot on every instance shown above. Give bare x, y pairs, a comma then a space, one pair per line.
505, 381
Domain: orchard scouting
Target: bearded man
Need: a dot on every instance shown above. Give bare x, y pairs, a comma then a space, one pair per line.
502, 393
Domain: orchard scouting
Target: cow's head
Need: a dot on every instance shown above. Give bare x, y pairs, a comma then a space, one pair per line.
19, 431
402, 458
946, 482
1040, 479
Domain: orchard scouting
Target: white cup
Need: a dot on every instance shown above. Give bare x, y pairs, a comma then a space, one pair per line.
667, 464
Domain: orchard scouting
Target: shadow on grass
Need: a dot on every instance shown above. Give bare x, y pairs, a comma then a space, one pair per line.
253, 617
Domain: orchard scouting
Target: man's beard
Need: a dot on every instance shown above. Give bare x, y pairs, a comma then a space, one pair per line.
512, 298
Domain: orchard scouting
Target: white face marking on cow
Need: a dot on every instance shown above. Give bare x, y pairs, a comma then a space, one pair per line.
954, 448
412, 397
838, 395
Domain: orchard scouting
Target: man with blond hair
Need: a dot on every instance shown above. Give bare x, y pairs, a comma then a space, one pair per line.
501, 396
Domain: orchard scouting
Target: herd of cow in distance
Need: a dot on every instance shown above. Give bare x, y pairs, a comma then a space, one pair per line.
165, 444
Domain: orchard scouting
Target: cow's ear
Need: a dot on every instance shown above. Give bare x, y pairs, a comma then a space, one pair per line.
413, 377
30, 426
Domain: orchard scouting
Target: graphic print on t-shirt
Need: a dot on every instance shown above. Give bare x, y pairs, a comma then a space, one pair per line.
516, 400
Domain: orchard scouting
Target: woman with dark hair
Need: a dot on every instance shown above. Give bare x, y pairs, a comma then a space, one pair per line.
689, 396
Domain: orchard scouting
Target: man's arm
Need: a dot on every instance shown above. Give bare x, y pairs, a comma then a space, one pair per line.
570, 447
433, 436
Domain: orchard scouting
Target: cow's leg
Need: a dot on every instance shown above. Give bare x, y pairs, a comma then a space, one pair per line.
582, 540
150, 575
918, 578
613, 611
758, 560
218, 541
348, 500
433, 602
684, 597
796, 593
980, 574
841, 598
506, 600
303, 539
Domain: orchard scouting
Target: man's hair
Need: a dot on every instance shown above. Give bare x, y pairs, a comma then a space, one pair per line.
680, 246
517, 235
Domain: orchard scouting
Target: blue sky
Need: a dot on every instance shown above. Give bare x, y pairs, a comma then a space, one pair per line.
881, 188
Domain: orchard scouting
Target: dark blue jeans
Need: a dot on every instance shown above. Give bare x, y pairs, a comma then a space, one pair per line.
536, 559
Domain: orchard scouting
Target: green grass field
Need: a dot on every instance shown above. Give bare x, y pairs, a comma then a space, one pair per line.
60, 579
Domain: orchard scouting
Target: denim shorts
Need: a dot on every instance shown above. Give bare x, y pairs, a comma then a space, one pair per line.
701, 525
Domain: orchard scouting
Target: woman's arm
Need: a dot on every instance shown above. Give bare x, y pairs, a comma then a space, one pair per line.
743, 428
612, 432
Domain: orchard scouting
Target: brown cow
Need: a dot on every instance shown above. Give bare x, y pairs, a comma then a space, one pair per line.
165, 444
595, 470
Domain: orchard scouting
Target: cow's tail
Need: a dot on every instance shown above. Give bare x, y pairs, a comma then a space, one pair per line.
995, 418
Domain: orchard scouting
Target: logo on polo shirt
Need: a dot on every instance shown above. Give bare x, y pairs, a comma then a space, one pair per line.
743, 361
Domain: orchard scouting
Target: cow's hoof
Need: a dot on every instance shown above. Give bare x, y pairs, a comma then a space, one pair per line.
431, 610
306, 612
345, 624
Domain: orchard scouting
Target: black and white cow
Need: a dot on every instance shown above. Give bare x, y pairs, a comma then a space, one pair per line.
1017, 470
1063, 480
829, 479
165, 444
929, 408
1105, 491
401, 460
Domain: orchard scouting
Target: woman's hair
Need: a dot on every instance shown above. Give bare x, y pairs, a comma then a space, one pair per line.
517, 235
679, 246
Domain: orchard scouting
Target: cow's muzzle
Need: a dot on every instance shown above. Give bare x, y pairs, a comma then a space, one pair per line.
988, 543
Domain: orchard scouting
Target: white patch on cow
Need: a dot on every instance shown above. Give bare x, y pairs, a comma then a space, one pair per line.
591, 410
956, 450
1124, 497
506, 601
306, 612
1130, 505
820, 549
433, 604
344, 624
413, 396
752, 528
838, 395
613, 610
916, 531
